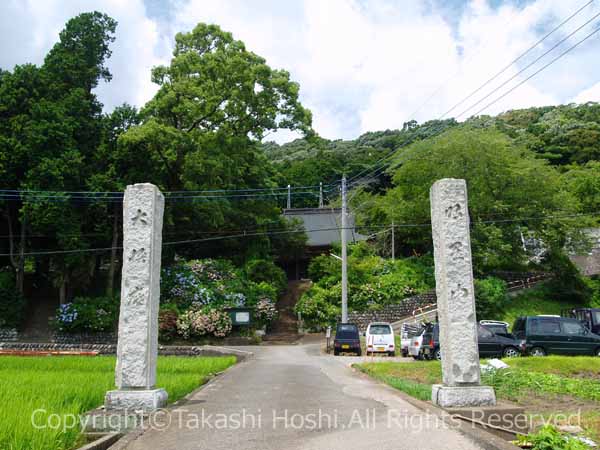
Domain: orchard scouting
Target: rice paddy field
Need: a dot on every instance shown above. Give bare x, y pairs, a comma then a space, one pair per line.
72, 385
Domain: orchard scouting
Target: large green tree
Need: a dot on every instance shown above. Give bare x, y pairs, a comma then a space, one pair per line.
201, 131
50, 127
510, 194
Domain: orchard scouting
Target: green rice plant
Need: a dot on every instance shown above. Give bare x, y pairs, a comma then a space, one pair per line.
37, 391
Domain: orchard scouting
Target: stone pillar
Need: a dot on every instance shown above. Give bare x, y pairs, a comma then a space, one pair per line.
456, 299
137, 349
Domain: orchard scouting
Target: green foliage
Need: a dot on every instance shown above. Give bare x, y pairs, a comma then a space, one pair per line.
12, 304
310, 161
584, 184
78, 59
549, 438
194, 295
593, 285
264, 270
548, 379
167, 322
562, 134
72, 385
201, 131
504, 180
88, 315
373, 282
568, 283
320, 307
541, 299
491, 298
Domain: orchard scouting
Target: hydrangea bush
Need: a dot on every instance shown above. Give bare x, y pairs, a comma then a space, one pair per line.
87, 315
201, 322
201, 291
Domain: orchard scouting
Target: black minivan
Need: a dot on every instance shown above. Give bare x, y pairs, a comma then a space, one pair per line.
347, 339
544, 335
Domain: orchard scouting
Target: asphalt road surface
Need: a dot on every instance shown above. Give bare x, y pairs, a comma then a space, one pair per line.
294, 397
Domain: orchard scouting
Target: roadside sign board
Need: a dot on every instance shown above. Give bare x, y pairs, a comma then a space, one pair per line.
240, 316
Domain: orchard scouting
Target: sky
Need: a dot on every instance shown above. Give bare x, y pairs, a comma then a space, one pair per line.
362, 65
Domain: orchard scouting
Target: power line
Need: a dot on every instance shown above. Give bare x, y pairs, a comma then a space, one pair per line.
453, 76
120, 193
517, 58
538, 71
382, 160
282, 232
522, 82
528, 65
393, 152
114, 199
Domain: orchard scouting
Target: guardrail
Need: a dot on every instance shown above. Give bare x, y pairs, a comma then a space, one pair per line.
527, 283
416, 316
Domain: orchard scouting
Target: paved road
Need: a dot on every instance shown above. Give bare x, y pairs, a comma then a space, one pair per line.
280, 394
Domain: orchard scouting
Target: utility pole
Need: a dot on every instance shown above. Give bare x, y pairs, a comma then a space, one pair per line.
344, 254
289, 201
320, 195
393, 243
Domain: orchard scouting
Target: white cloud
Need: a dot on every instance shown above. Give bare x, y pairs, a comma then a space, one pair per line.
591, 94
361, 65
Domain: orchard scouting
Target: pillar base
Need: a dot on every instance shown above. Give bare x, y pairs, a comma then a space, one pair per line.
143, 399
462, 396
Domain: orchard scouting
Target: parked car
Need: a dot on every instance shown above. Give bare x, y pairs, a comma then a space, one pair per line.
544, 335
589, 316
490, 344
415, 347
497, 327
347, 339
408, 331
380, 338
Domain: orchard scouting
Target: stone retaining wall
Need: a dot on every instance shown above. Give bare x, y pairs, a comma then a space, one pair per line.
84, 338
392, 313
8, 335
111, 349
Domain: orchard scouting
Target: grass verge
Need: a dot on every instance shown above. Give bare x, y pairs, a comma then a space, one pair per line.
72, 385
545, 387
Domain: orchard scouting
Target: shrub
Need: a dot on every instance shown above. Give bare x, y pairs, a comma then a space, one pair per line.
12, 304
568, 283
167, 322
374, 283
319, 307
197, 323
594, 286
549, 438
194, 288
266, 311
87, 315
264, 270
491, 296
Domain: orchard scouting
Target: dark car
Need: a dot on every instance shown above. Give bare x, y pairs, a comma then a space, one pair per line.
490, 344
544, 335
347, 339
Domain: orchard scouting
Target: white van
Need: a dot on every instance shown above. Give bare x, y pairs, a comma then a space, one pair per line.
380, 338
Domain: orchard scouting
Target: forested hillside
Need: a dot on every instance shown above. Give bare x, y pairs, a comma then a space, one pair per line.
534, 187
